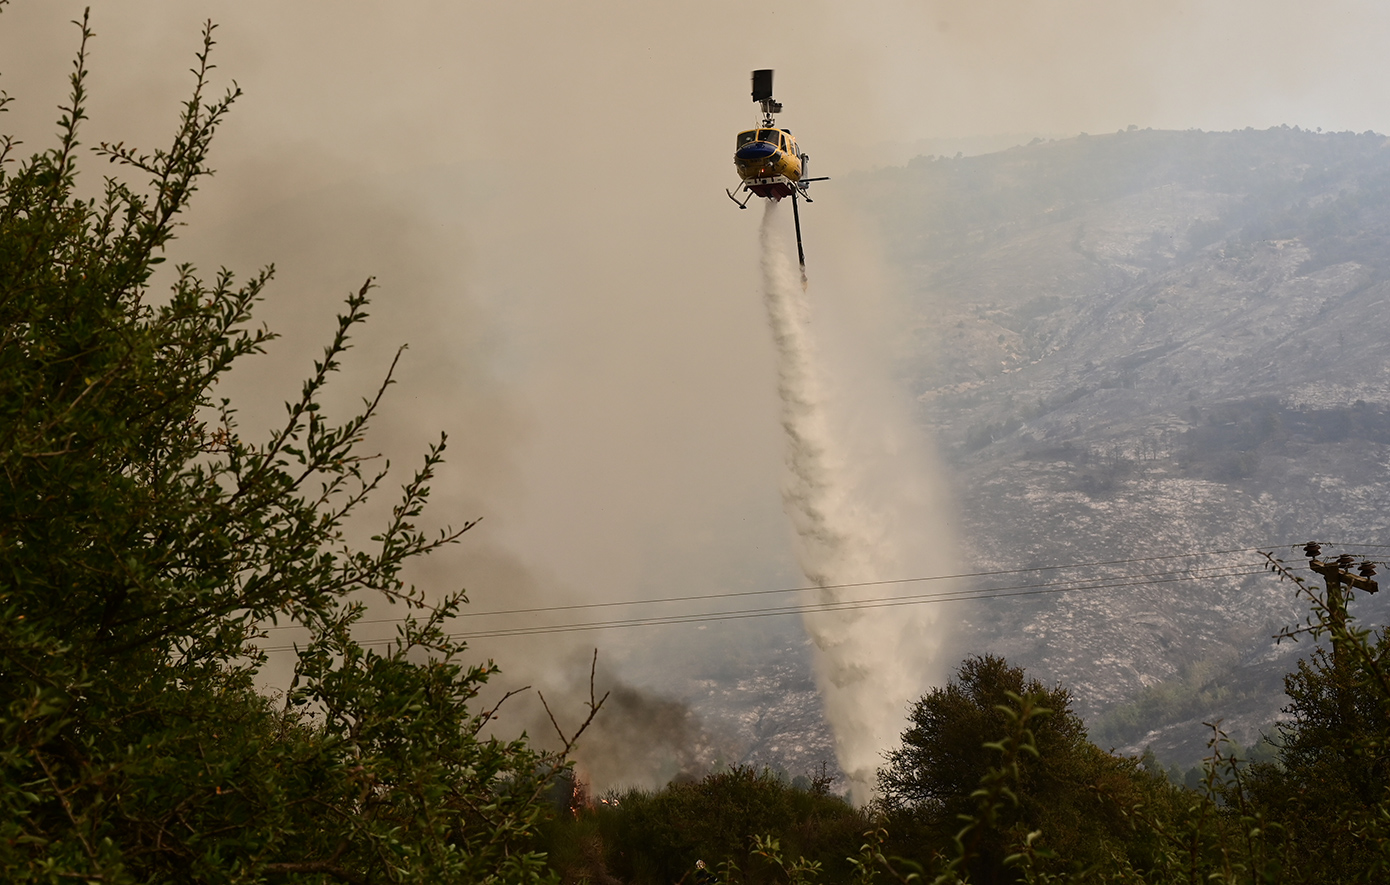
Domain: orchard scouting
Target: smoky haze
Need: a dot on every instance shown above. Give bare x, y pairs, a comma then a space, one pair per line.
535, 187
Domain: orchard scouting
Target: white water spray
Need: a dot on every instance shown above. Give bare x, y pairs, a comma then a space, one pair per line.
858, 494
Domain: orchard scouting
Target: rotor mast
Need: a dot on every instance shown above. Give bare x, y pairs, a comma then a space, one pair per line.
762, 94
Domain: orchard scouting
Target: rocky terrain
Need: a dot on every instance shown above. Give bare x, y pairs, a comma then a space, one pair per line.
1152, 344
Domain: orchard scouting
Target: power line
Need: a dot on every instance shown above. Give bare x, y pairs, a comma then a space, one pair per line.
703, 597
1339, 546
827, 607
1061, 586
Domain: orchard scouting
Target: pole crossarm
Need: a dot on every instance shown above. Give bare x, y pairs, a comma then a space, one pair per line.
1334, 573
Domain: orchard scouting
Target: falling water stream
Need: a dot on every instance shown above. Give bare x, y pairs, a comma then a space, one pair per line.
859, 500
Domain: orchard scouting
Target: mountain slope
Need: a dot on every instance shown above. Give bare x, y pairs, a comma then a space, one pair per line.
1142, 345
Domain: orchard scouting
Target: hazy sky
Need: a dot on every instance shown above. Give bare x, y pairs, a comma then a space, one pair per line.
538, 188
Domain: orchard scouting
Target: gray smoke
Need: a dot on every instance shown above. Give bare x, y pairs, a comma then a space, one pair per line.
639, 738
860, 498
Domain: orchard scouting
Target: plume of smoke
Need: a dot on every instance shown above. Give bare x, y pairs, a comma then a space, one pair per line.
858, 496
640, 738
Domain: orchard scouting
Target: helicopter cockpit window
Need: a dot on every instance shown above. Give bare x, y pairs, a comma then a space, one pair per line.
746, 137
771, 136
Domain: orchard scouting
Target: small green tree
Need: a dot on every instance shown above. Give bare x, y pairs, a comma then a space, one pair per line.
1330, 786
1061, 784
145, 544
943, 756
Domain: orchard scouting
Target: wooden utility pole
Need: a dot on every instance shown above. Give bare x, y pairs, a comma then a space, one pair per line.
1340, 582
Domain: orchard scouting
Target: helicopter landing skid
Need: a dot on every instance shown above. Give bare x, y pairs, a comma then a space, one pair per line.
744, 204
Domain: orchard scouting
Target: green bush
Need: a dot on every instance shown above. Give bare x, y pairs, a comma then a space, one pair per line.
656, 836
145, 545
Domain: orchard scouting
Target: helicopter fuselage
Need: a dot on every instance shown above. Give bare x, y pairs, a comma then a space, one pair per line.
768, 162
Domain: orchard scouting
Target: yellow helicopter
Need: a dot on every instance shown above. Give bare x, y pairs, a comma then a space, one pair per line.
769, 162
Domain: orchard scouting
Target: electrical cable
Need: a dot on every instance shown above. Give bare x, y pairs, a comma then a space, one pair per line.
804, 589
1059, 586
819, 608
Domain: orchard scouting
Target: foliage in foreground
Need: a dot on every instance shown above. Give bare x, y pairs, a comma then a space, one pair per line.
144, 544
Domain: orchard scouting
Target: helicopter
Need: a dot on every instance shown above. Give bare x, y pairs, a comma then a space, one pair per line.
769, 162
